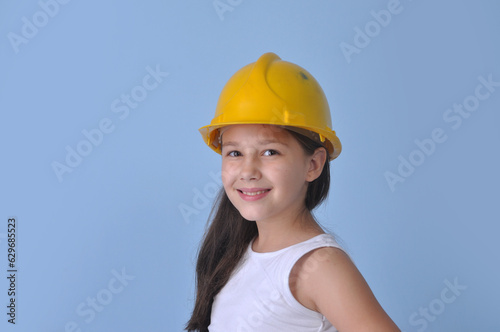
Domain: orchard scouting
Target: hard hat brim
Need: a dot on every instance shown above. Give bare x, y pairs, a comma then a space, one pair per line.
329, 138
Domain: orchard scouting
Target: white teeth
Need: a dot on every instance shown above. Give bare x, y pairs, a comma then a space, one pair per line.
254, 193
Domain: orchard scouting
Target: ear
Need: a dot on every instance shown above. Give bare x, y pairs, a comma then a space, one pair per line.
316, 164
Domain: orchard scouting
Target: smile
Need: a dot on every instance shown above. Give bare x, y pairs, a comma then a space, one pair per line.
253, 195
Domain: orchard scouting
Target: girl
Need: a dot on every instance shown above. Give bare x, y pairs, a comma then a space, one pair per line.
265, 264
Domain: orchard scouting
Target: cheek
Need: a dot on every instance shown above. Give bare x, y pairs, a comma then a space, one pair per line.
291, 177
290, 171
227, 174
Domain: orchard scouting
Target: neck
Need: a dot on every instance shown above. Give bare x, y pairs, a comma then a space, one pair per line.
280, 233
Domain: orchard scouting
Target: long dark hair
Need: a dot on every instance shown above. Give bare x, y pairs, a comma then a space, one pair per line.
228, 237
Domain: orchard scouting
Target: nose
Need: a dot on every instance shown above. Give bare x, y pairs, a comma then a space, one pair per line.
250, 169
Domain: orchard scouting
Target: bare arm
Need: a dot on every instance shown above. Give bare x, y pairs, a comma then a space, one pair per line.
327, 281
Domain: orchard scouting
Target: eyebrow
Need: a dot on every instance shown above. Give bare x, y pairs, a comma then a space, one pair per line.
262, 142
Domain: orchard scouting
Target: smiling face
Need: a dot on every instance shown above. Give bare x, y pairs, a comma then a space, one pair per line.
265, 172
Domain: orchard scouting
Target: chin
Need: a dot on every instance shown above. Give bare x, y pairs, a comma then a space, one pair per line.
249, 216
250, 211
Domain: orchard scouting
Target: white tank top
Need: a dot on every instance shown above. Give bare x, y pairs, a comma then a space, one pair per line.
257, 297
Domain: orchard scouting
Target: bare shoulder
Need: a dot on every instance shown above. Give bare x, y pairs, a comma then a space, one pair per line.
327, 281
325, 261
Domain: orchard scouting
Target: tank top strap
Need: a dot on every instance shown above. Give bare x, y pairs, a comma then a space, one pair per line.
297, 251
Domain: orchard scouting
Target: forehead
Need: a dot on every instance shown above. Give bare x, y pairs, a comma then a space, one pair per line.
255, 132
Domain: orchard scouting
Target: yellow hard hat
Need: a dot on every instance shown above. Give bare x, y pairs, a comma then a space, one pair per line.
276, 92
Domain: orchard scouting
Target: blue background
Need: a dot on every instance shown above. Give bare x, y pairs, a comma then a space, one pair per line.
138, 202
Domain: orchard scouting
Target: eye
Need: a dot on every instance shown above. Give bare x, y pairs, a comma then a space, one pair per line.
233, 154
271, 152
